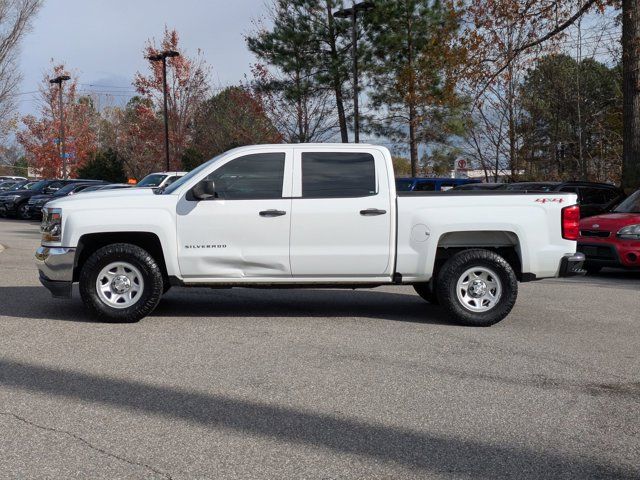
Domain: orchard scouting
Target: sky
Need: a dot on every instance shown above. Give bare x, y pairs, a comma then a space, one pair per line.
101, 41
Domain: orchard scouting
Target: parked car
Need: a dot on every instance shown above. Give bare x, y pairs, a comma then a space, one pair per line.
481, 186
36, 202
305, 216
16, 202
160, 179
434, 184
612, 239
7, 185
594, 198
19, 185
10, 177
110, 186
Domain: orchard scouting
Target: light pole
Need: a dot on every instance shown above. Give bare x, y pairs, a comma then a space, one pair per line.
63, 154
162, 57
353, 14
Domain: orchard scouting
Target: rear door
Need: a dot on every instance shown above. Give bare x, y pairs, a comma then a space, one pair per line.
342, 214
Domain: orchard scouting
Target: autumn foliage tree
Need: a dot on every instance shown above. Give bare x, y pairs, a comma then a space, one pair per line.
187, 84
232, 118
40, 136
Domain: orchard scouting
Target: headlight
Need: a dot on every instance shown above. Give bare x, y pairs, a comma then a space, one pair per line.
51, 226
630, 232
11, 198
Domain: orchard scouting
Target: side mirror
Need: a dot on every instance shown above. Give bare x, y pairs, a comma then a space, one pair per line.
204, 190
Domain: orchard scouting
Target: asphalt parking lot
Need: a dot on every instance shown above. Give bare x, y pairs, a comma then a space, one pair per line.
318, 384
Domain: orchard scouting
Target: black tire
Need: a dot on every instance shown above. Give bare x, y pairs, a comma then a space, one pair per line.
592, 269
22, 212
455, 268
135, 256
427, 292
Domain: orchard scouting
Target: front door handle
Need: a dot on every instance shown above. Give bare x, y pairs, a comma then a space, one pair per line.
272, 213
370, 212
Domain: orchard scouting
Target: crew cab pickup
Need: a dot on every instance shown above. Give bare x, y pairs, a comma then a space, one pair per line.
325, 215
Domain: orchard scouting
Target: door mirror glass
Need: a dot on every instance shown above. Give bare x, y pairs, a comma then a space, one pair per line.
204, 190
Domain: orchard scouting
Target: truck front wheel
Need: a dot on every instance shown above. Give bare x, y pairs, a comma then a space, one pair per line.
121, 283
478, 287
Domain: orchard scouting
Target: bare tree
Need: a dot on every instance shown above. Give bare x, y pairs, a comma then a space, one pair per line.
15, 20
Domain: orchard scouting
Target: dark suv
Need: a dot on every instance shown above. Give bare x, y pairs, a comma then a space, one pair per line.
36, 202
594, 198
17, 202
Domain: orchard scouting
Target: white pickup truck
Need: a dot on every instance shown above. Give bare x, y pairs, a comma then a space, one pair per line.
305, 215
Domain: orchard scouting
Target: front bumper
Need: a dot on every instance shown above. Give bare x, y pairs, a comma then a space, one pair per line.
571, 265
8, 208
621, 254
56, 269
35, 210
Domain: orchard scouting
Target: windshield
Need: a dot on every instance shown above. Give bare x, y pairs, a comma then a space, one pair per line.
630, 205
152, 180
38, 186
404, 184
182, 180
67, 189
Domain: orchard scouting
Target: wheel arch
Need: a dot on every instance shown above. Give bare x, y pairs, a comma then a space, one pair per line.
91, 242
505, 243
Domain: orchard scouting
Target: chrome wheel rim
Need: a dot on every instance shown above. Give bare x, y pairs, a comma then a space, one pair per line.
479, 289
120, 285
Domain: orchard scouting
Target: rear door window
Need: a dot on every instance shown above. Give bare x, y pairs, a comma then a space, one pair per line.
592, 195
338, 175
425, 187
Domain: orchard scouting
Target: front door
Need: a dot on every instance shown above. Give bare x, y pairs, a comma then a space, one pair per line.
244, 231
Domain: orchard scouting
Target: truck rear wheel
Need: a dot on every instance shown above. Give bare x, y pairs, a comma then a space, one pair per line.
478, 287
121, 283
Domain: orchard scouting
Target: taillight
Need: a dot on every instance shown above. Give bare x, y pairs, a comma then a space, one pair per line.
571, 222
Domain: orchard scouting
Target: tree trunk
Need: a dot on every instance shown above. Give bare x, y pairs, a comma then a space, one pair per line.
335, 73
513, 153
631, 93
413, 142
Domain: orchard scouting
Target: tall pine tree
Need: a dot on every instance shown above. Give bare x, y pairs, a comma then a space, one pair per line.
306, 48
410, 63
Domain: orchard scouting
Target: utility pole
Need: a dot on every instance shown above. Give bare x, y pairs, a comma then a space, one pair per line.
61, 140
162, 57
353, 14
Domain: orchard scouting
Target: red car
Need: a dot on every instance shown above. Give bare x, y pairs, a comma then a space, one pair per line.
612, 239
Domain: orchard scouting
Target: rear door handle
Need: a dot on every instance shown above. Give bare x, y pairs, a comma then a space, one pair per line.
370, 212
272, 213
